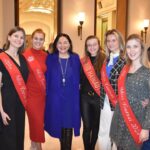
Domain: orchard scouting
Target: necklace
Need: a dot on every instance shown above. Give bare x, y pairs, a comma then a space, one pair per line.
63, 71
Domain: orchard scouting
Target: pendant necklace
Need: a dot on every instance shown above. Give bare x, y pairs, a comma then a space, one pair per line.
63, 71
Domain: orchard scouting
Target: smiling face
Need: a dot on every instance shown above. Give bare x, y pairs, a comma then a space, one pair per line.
134, 50
63, 45
112, 43
38, 40
92, 46
16, 39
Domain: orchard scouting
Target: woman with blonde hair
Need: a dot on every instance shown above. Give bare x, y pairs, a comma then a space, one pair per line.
112, 66
36, 59
131, 121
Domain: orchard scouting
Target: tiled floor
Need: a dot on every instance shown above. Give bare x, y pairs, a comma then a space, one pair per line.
52, 143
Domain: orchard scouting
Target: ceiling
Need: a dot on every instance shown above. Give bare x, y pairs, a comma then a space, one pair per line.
105, 3
25, 4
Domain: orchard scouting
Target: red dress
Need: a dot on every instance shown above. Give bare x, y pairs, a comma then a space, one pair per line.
36, 98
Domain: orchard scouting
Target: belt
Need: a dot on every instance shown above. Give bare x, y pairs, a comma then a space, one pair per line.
90, 93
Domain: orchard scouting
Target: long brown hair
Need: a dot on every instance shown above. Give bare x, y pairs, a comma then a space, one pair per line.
100, 55
12, 31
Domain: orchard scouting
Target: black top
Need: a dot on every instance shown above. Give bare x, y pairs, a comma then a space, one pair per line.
86, 88
13, 107
9, 93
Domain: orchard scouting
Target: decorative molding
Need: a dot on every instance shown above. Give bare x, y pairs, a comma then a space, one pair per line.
58, 14
121, 15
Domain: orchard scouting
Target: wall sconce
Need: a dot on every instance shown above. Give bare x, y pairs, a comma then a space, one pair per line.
145, 26
81, 19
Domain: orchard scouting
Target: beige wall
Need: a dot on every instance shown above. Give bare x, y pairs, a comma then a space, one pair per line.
26, 19
137, 11
1, 23
70, 9
6, 18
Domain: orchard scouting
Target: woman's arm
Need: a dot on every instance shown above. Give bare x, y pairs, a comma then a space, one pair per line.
144, 135
5, 117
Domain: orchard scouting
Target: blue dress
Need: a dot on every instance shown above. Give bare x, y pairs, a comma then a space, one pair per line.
62, 102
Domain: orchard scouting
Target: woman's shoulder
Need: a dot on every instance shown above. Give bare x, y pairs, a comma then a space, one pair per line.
52, 57
122, 59
44, 52
26, 51
74, 56
22, 56
146, 71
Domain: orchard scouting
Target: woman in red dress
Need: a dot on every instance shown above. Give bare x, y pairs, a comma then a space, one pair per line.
36, 58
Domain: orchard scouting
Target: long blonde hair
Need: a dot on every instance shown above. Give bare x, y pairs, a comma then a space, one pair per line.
144, 55
119, 37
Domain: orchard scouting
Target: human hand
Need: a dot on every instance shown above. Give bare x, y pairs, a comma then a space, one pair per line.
145, 102
1, 84
144, 135
5, 118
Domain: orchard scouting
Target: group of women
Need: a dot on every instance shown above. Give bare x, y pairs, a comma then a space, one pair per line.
23, 87
110, 91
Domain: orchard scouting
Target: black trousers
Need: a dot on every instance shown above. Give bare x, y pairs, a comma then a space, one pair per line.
66, 139
90, 111
120, 148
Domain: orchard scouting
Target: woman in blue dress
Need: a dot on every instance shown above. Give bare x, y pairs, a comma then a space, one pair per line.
62, 112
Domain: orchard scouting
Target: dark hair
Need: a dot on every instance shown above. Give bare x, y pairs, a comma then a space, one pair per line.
12, 31
148, 53
38, 31
55, 50
100, 55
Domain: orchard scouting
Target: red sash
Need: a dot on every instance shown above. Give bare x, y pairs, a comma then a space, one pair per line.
127, 113
36, 68
107, 86
16, 77
91, 74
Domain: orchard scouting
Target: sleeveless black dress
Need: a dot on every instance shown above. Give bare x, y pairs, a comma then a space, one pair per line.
12, 136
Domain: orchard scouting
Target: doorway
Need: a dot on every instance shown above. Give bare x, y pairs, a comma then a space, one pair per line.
44, 14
